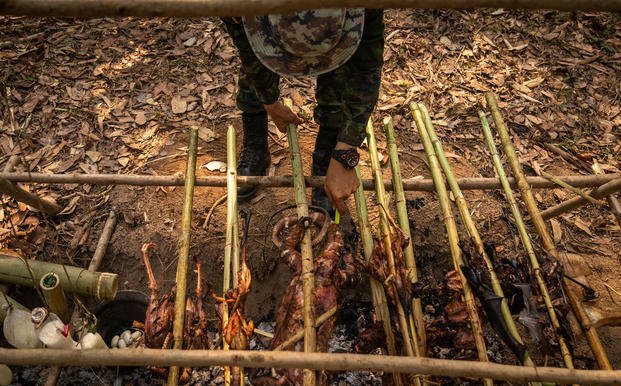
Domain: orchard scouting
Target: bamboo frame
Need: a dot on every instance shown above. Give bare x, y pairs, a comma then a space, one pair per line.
306, 248
527, 195
572, 189
416, 318
54, 296
202, 8
471, 228
184, 252
453, 237
378, 296
319, 361
411, 346
615, 206
576, 202
300, 334
528, 246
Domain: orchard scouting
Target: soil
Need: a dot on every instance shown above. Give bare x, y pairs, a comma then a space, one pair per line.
116, 96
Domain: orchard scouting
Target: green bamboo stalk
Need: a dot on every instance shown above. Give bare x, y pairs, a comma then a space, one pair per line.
308, 277
548, 244
385, 233
453, 237
416, 319
528, 246
54, 296
462, 205
377, 291
573, 189
184, 251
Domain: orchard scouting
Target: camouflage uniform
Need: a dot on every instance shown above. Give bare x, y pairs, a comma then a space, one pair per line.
345, 96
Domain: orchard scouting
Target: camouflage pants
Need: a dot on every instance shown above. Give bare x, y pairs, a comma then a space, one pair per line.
345, 96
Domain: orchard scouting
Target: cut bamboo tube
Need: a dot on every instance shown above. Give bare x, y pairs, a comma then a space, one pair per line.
385, 237
409, 184
100, 252
54, 296
576, 202
453, 237
472, 230
202, 8
15, 270
416, 319
566, 354
527, 195
572, 189
615, 206
377, 291
306, 249
300, 334
21, 195
184, 252
319, 361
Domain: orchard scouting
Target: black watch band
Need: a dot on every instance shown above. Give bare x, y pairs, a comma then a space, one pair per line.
348, 158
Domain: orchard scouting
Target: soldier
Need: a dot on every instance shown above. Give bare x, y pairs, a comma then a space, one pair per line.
344, 49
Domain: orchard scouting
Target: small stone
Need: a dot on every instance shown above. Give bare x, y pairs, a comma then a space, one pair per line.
127, 337
122, 344
115, 341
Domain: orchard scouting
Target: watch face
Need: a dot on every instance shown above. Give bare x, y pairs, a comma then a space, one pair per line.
351, 158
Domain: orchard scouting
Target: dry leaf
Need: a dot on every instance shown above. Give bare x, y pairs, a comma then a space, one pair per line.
556, 230
123, 161
583, 226
94, 156
179, 105
140, 118
207, 134
213, 166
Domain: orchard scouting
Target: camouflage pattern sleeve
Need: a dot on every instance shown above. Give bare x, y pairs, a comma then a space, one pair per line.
346, 96
258, 85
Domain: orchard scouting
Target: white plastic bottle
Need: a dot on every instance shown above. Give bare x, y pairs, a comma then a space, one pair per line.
52, 332
19, 330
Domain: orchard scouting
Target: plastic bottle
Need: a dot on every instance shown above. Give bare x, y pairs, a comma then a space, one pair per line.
52, 332
19, 330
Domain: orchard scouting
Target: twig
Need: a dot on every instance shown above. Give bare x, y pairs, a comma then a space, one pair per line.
577, 191
300, 334
576, 202
615, 206
219, 201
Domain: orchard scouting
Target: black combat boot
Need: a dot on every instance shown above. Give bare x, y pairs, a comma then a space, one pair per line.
255, 157
324, 144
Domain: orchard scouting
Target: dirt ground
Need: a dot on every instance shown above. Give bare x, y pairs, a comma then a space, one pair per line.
117, 96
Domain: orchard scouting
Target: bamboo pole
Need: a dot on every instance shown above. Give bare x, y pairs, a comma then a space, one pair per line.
528, 246
472, 230
300, 334
319, 361
377, 291
100, 252
572, 189
386, 239
527, 195
19, 194
615, 206
453, 237
184, 251
416, 318
54, 296
202, 8
576, 202
306, 249
15, 270
409, 184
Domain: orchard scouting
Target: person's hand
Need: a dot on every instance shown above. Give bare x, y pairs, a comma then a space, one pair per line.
340, 182
282, 116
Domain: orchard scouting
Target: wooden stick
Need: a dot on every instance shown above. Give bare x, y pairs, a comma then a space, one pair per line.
377, 291
573, 189
202, 8
409, 184
416, 319
605, 190
21, 195
54, 296
472, 230
308, 269
527, 195
102, 285
615, 206
184, 252
300, 334
386, 239
100, 252
566, 354
453, 237
319, 361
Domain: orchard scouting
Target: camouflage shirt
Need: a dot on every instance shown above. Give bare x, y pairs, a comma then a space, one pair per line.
346, 96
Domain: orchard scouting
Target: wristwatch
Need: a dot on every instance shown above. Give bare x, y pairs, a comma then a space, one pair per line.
348, 158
